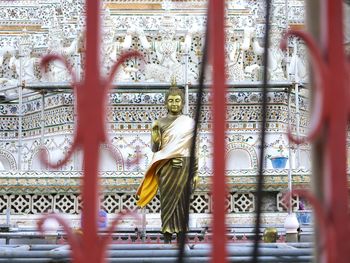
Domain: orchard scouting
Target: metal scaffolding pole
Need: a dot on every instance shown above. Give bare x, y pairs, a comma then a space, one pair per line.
77, 58
20, 108
186, 111
297, 122
290, 179
42, 115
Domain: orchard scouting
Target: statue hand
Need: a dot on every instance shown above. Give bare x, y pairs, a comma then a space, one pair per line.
155, 125
156, 137
195, 182
155, 132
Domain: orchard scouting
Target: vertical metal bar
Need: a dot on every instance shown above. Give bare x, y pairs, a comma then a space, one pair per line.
91, 96
313, 26
217, 57
186, 110
76, 156
297, 122
42, 119
335, 184
20, 110
260, 181
290, 179
8, 219
287, 14
286, 56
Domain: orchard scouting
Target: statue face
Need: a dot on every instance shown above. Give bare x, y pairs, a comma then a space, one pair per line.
174, 104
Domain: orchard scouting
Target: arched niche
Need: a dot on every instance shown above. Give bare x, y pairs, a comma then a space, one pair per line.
35, 162
111, 159
7, 161
240, 156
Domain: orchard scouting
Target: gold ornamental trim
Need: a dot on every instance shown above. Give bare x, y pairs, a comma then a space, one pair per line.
133, 6
297, 26
18, 29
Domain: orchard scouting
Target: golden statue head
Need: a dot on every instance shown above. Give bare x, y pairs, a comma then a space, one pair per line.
270, 235
174, 100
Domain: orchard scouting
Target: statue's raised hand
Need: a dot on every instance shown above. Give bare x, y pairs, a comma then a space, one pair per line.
156, 136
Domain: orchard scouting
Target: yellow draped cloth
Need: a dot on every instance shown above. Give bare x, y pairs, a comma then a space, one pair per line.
176, 142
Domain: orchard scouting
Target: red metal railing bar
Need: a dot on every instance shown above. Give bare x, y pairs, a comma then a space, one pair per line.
91, 103
332, 114
335, 184
217, 57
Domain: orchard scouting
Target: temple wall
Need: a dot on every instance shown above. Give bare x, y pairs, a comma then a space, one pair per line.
128, 123
171, 37
36, 190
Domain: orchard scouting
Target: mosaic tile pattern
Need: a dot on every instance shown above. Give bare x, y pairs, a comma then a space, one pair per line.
131, 112
39, 192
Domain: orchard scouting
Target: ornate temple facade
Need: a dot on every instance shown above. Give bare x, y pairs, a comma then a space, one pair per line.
37, 109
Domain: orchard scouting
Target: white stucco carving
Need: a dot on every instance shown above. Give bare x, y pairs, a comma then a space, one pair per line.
5, 53
275, 57
56, 46
298, 67
237, 51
